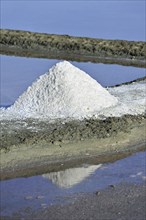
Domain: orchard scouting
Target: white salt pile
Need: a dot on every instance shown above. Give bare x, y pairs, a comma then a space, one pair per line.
63, 92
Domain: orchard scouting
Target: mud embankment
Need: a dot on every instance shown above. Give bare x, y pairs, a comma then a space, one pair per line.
29, 147
41, 45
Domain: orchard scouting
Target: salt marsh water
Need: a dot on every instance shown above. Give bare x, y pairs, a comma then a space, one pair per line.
37, 192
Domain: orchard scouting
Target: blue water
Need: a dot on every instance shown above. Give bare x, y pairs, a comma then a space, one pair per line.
18, 194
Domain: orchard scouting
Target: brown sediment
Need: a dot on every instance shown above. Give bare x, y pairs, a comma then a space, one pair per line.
43, 147
41, 45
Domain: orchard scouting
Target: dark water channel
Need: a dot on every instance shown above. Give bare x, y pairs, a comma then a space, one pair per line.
38, 192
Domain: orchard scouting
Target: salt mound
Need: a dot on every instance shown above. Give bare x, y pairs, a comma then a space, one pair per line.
65, 91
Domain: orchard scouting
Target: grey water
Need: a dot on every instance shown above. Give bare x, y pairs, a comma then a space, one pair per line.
36, 192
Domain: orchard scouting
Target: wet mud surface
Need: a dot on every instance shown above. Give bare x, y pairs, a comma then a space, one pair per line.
124, 202
101, 191
30, 44
127, 202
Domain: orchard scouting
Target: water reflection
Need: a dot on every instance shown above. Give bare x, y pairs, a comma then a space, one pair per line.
72, 176
5, 50
62, 187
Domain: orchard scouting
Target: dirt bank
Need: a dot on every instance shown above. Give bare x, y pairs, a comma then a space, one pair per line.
29, 146
30, 44
33, 131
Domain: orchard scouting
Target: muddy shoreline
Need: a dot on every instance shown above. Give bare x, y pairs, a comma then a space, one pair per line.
81, 49
59, 132
40, 146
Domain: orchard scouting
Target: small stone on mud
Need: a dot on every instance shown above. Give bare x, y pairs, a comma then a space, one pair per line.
97, 193
44, 205
28, 197
39, 197
112, 186
57, 143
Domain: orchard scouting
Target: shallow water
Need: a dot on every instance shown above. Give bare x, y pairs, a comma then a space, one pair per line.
36, 192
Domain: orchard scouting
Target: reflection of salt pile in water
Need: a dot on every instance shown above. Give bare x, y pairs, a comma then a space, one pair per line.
65, 91
72, 176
